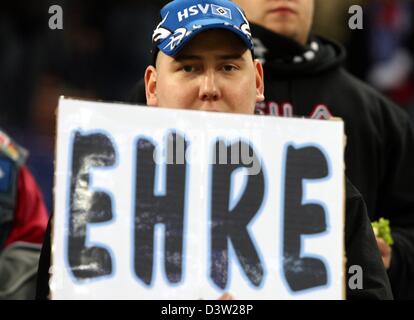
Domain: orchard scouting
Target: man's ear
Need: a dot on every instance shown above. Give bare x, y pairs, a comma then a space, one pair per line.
151, 86
259, 81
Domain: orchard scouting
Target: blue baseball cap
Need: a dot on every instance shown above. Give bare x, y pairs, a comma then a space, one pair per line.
182, 20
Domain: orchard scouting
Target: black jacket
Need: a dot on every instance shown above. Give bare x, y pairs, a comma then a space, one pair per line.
361, 250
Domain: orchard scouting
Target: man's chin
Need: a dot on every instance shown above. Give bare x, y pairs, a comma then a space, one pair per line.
213, 110
285, 28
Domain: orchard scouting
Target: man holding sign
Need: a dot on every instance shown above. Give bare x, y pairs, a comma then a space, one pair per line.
213, 70
204, 61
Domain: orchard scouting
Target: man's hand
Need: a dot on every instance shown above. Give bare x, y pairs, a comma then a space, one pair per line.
385, 251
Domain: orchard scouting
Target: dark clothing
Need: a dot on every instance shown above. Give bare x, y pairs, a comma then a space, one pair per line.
42, 286
410, 110
380, 138
361, 250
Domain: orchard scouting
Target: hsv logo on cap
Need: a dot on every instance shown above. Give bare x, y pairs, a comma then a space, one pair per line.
184, 19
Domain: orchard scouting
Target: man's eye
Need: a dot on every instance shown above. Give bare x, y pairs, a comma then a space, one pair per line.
229, 68
189, 69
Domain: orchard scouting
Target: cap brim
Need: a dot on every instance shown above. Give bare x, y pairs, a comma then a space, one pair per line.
204, 25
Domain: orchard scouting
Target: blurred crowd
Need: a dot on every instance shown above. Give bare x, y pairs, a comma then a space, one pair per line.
382, 53
100, 54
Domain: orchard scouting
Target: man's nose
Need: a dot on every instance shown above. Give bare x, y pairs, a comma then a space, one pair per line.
209, 89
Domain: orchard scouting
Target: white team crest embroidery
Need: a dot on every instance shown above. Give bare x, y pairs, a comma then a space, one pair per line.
176, 38
161, 33
245, 27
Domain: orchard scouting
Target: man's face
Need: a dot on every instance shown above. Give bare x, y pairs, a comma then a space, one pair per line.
214, 72
291, 18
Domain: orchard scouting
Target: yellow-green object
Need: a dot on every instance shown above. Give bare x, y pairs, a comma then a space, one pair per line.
382, 230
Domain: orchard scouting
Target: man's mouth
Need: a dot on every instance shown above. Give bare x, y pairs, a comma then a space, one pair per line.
209, 107
212, 110
283, 10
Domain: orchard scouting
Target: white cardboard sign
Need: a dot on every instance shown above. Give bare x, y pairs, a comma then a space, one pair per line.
249, 205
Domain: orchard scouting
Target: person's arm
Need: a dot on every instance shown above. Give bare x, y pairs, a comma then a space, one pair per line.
396, 197
361, 250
